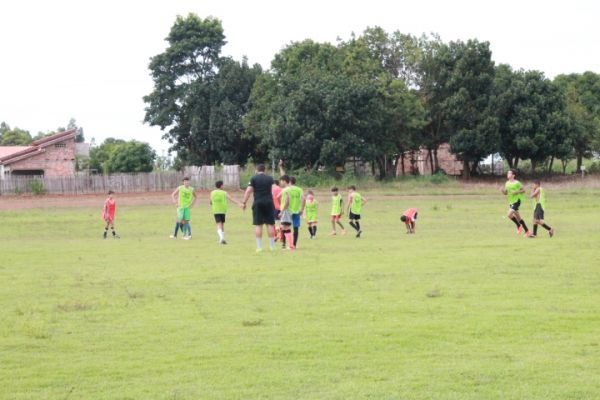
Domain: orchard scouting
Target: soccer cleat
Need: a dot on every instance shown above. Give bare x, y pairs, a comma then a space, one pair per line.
519, 229
115, 236
333, 233
104, 235
223, 242
527, 234
186, 238
258, 251
551, 232
172, 237
343, 232
531, 236
358, 234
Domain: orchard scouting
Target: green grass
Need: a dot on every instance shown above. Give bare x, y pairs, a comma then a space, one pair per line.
464, 309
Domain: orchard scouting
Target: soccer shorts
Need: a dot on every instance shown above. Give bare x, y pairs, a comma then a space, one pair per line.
286, 217
353, 216
296, 220
515, 206
183, 214
262, 213
108, 218
219, 218
538, 213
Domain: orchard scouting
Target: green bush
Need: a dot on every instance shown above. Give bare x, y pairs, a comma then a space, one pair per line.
36, 186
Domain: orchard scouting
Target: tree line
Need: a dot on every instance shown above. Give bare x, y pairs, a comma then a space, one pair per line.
374, 96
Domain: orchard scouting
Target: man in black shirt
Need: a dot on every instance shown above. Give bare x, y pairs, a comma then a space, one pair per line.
262, 207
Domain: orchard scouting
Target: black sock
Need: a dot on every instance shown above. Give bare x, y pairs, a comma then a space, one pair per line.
357, 225
314, 230
546, 227
295, 236
113, 231
283, 238
310, 230
516, 221
341, 226
524, 226
535, 229
352, 224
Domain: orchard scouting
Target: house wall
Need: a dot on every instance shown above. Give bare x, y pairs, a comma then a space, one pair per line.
55, 160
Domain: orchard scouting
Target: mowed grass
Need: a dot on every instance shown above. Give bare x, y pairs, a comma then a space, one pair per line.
464, 309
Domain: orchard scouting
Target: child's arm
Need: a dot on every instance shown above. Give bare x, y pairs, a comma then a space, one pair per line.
175, 193
194, 197
281, 170
535, 193
349, 203
285, 204
364, 200
302, 204
232, 199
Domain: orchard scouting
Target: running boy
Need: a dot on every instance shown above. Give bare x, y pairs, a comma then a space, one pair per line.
311, 210
514, 191
337, 209
540, 205
354, 207
108, 215
218, 201
409, 217
186, 199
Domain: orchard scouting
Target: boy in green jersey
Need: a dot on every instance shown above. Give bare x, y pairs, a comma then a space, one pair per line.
311, 210
354, 207
337, 209
185, 200
515, 193
285, 214
297, 203
218, 202
539, 195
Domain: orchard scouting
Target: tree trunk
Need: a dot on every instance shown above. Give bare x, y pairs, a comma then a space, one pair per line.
466, 172
516, 163
474, 168
381, 163
533, 165
429, 153
402, 161
564, 166
579, 161
435, 161
550, 164
510, 162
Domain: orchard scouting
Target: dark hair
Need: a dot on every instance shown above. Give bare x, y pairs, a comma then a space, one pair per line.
285, 178
261, 168
352, 187
293, 180
219, 184
514, 171
310, 192
111, 192
276, 181
403, 218
334, 189
186, 178
537, 182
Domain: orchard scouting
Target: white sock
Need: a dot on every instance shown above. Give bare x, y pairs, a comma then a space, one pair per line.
259, 243
221, 234
272, 243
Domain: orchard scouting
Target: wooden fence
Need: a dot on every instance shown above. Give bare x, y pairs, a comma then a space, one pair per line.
120, 183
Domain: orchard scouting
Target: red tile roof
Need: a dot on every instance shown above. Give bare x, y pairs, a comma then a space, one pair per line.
21, 152
8, 150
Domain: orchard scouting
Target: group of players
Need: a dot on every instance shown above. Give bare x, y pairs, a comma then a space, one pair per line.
284, 202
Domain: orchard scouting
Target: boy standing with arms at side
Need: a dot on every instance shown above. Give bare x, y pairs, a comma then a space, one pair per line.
337, 209
285, 215
186, 199
108, 215
218, 202
539, 195
311, 211
514, 191
354, 207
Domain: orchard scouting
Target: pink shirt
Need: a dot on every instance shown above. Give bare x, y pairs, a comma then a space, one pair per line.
276, 191
410, 214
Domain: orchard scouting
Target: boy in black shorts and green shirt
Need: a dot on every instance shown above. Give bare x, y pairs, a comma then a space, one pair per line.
515, 194
218, 202
354, 207
539, 195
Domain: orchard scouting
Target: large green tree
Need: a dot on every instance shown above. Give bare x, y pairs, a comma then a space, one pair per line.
13, 136
117, 155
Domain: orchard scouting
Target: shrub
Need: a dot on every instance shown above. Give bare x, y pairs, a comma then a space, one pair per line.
36, 186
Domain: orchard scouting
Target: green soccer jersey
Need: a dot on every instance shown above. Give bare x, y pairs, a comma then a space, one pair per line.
541, 200
295, 199
186, 196
311, 210
218, 200
511, 189
356, 206
336, 204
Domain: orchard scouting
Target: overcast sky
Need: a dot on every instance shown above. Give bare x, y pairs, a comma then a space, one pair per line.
89, 59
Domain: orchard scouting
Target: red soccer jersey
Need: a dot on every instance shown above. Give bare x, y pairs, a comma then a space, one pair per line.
410, 214
276, 191
109, 209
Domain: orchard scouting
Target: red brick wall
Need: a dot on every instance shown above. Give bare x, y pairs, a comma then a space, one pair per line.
54, 161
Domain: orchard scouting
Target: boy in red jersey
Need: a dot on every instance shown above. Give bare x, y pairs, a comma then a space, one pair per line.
409, 217
108, 215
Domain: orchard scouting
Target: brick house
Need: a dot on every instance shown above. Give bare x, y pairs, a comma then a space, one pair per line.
50, 156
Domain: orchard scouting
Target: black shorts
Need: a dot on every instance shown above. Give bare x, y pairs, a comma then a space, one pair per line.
262, 213
538, 213
219, 218
354, 216
515, 206
276, 214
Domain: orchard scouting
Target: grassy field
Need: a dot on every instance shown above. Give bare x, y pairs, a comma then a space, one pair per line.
464, 309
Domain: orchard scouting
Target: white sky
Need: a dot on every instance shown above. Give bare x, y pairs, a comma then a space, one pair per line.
88, 59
